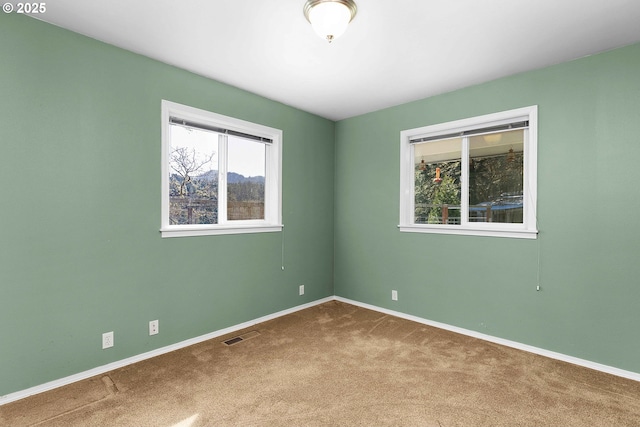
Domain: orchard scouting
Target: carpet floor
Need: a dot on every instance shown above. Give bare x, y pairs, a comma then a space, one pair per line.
339, 365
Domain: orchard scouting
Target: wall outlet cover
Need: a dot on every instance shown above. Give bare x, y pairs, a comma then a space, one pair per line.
154, 327
107, 340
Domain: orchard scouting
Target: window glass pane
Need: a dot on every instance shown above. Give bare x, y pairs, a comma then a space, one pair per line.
193, 176
245, 179
437, 171
496, 166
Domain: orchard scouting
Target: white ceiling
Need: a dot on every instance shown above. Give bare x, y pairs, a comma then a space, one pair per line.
394, 51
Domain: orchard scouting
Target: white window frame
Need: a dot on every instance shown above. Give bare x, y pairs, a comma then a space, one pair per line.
526, 230
273, 174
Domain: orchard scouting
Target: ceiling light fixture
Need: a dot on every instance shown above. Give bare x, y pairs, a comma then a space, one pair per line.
330, 18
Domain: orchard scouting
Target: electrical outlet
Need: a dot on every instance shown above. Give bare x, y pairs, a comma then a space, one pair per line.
154, 327
394, 295
107, 340
301, 290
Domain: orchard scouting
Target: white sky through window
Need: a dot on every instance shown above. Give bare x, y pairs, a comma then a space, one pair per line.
246, 157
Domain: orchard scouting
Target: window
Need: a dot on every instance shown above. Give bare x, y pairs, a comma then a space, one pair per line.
474, 176
220, 175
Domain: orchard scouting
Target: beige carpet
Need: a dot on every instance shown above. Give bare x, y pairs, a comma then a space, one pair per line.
339, 365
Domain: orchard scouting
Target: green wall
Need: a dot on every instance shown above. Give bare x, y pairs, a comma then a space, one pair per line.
80, 248
586, 256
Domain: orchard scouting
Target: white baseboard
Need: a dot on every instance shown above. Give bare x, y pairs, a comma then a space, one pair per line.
531, 349
12, 397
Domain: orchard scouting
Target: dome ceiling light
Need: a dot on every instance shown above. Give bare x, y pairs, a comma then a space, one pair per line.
329, 18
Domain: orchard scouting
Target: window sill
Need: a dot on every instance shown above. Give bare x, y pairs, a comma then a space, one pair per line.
470, 231
192, 231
